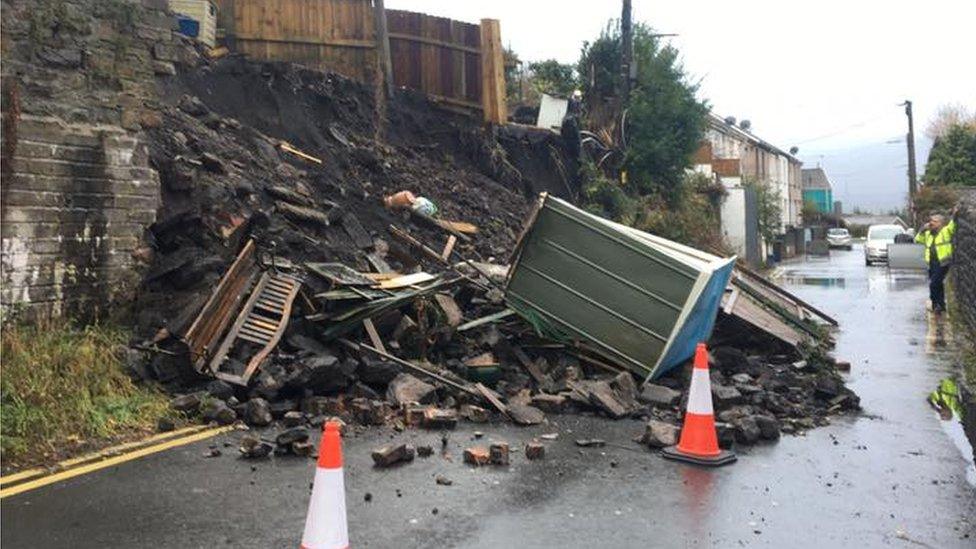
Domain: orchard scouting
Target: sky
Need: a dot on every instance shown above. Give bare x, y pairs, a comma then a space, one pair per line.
825, 76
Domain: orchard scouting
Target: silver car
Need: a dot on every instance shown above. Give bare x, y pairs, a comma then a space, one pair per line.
839, 238
876, 244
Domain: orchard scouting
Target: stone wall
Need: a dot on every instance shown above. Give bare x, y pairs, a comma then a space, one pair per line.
76, 200
963, 271
79, 86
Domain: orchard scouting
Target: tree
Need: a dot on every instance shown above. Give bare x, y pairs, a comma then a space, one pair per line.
513, 73
768, 209
933, 199
949, 115
665, 121
810, 213
952, 160
552, 77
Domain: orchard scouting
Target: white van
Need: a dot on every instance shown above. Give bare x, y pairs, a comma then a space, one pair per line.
876, 245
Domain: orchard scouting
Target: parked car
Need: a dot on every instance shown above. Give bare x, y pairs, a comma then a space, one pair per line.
839, 238
876, 244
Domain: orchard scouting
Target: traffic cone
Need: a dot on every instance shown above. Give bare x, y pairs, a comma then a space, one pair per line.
325, 525
699, 440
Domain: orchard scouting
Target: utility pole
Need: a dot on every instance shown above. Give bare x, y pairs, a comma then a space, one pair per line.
912, 174
626, 52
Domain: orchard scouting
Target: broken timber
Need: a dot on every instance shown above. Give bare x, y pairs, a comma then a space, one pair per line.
261, 322
287, 147
420, 370
210, 324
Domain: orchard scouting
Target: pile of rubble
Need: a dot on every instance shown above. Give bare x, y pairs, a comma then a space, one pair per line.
284, 289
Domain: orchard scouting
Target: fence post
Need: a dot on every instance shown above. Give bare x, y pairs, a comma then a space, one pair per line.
383, 45
492, 73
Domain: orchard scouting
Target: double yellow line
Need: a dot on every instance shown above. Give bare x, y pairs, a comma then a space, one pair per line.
31, 479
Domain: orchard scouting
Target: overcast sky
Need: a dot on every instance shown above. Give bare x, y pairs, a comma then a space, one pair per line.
825, 76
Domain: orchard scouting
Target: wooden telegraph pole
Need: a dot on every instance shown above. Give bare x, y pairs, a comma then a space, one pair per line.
626, 51
912, 174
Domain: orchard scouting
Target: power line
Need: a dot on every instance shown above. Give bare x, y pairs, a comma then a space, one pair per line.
843, 130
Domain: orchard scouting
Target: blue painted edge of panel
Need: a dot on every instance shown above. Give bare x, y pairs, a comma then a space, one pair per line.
700, 321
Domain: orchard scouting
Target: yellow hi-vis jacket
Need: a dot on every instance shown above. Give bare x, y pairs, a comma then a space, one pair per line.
942, 241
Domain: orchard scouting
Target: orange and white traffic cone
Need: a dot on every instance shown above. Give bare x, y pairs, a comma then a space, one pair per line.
699, 440
325, 525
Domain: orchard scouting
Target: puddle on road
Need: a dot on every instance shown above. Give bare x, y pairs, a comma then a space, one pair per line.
823, 282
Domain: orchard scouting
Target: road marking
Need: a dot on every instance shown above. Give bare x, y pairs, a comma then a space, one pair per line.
114, 460
27, 474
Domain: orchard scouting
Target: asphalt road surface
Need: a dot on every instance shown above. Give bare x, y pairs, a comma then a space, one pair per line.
896, 476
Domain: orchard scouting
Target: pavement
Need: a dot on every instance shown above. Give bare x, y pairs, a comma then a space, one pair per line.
894, 476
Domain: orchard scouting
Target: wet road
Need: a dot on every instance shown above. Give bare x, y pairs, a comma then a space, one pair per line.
894, 476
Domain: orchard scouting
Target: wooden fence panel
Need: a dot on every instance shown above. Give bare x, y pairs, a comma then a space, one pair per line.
329, 34
438, 56
435, 55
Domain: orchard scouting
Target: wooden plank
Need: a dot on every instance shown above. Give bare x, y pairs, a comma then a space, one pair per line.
788, 295
529, 366
434, 42
491, 397
449, 247
218, 359
406, 280
374, 336
749, 310
217, 312
420, 370
458, 226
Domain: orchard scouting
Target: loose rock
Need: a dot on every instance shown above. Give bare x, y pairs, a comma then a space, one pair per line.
257, 412
393, 453
498, 453
659, 434
405, 389
534, 450
659, 396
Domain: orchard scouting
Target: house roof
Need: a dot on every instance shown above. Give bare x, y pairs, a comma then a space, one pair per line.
719, 124
814, 178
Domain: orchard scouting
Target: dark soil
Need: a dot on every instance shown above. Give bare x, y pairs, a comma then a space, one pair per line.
215, 150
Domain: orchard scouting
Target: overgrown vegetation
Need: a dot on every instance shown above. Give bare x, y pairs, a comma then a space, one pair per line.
656, 129
932, 199
952, 160
688, 214
768, 209
64, 388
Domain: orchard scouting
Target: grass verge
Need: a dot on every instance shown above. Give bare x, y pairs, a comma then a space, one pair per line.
65, 391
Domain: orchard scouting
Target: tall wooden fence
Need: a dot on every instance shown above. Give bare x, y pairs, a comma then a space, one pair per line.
451, 61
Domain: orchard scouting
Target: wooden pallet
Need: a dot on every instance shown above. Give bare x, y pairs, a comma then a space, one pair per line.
262, 321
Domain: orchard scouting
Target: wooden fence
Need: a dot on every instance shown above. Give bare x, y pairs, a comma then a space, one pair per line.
452, 62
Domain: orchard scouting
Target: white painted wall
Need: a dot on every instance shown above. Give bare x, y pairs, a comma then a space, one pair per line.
734, 219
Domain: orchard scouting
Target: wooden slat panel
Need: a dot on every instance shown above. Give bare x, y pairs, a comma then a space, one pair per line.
435, 55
